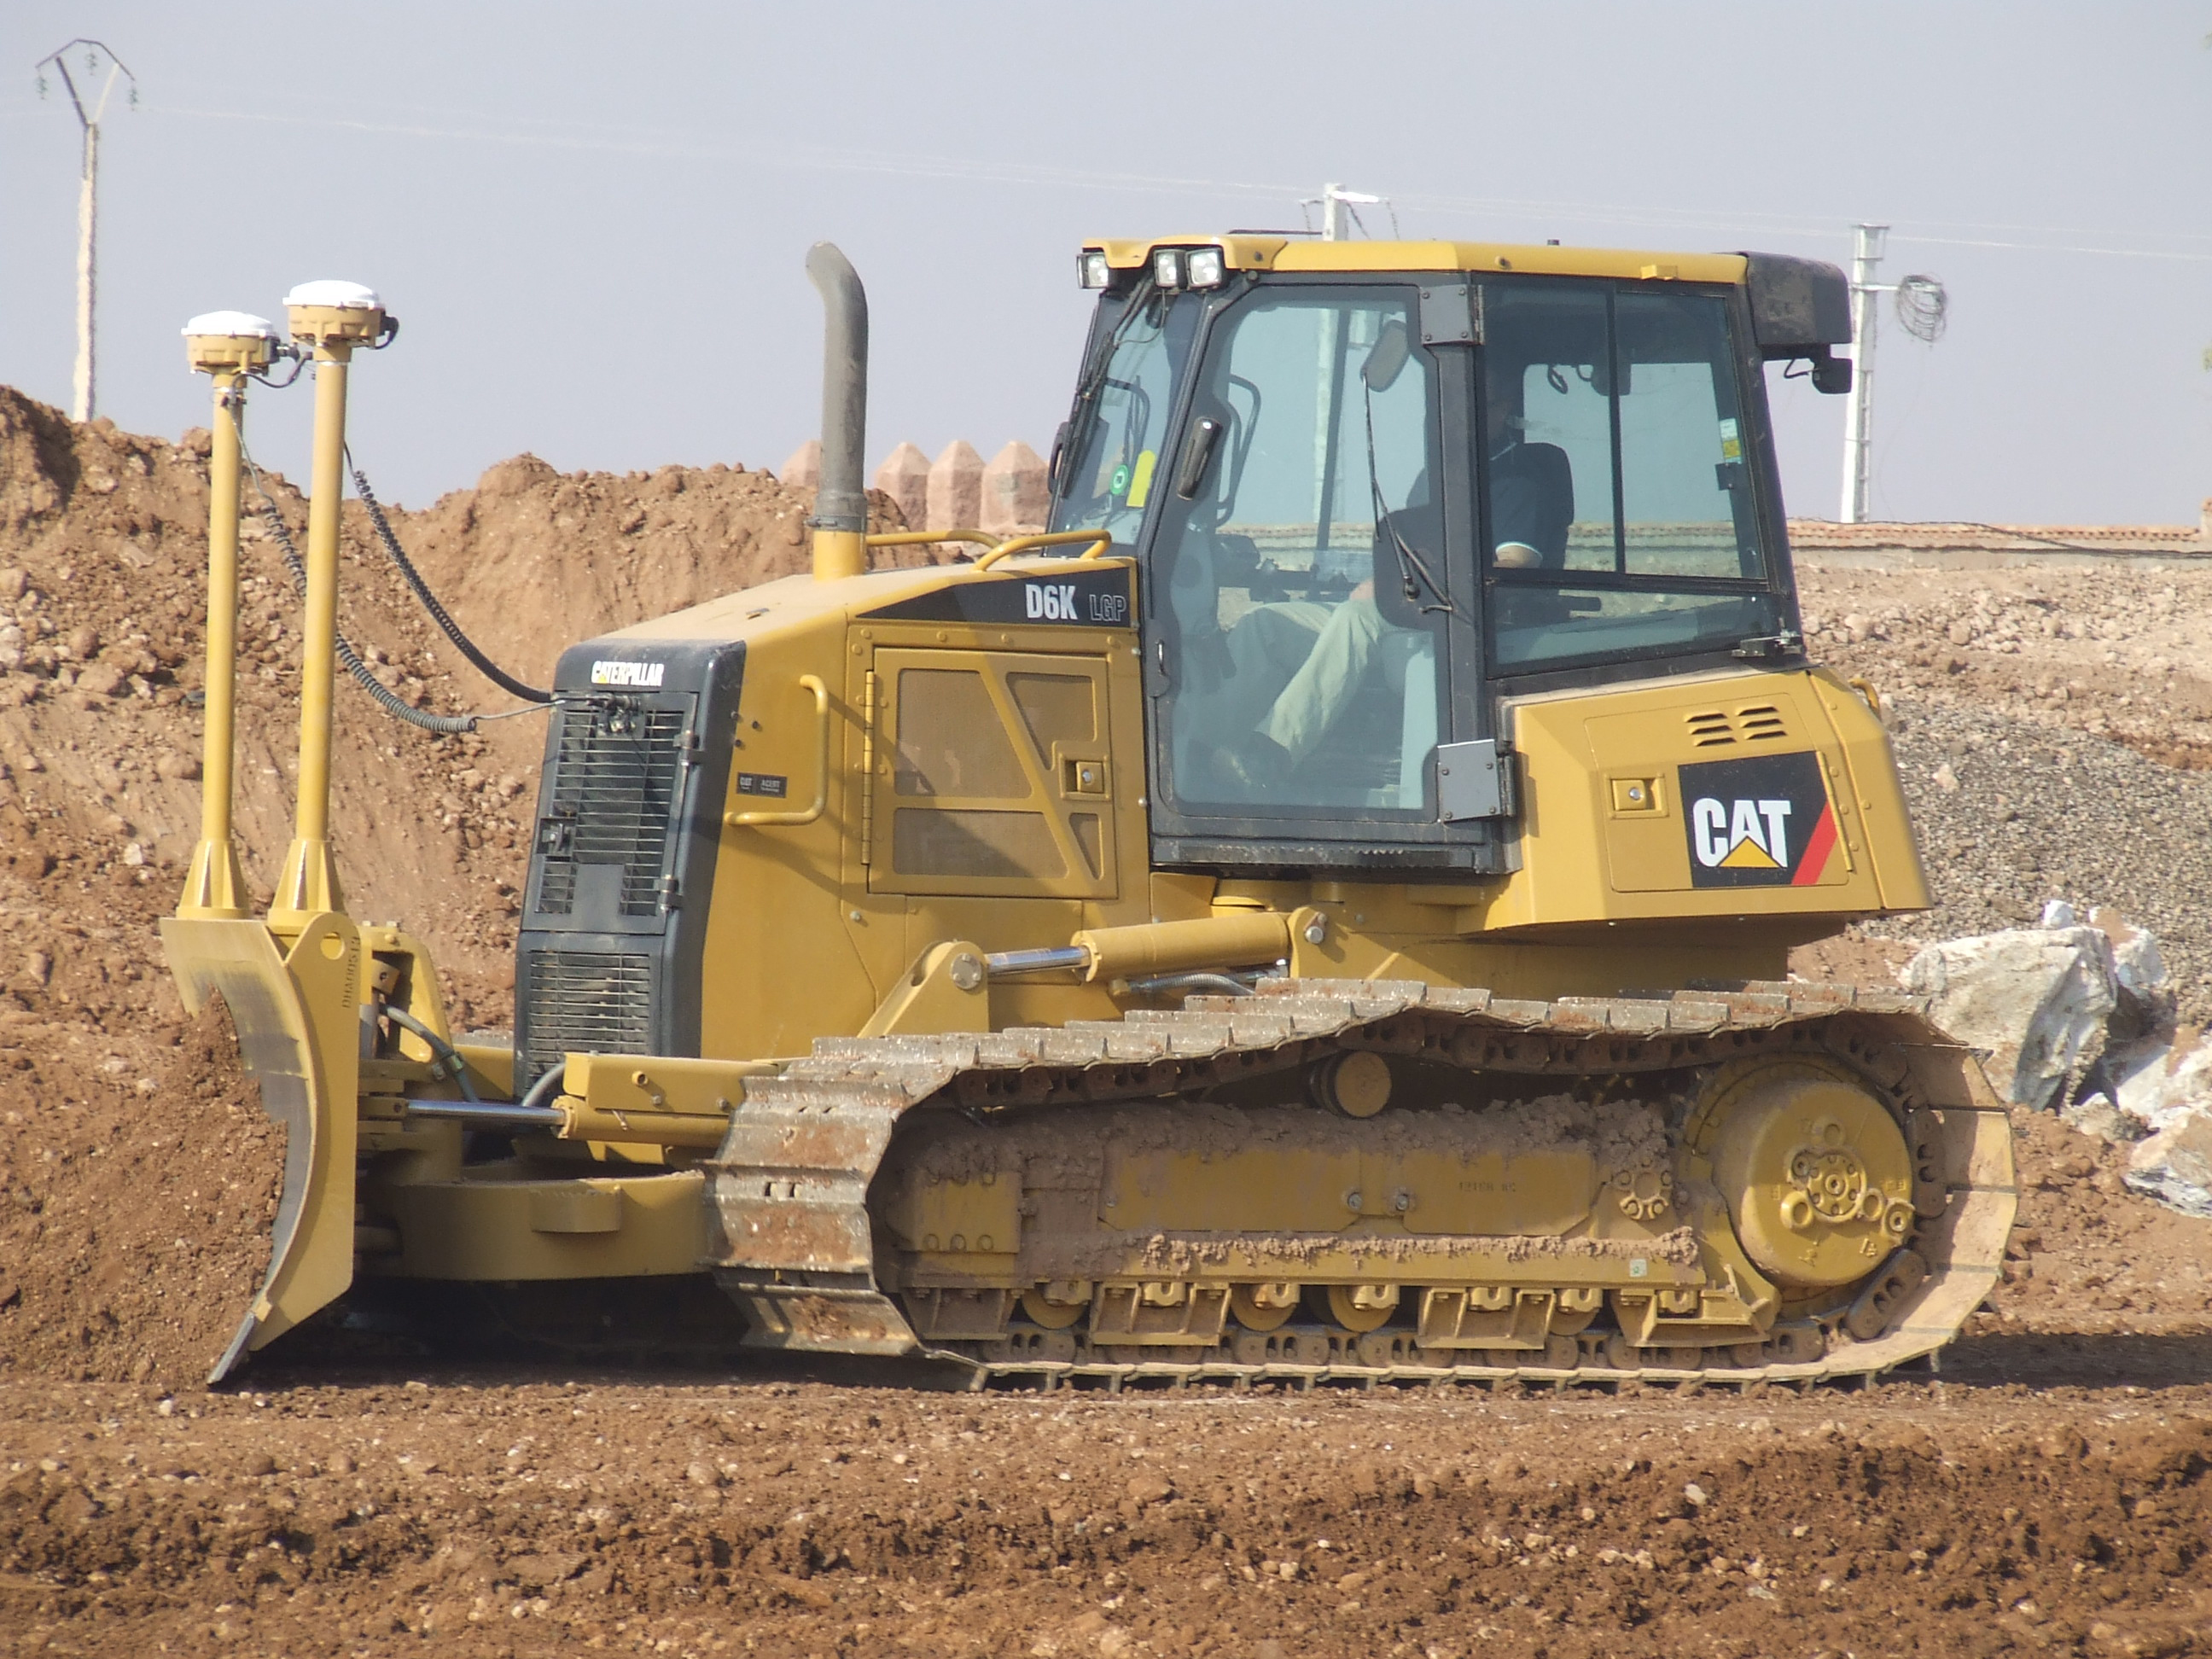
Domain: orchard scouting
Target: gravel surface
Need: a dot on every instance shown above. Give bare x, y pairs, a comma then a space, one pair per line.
2012, 812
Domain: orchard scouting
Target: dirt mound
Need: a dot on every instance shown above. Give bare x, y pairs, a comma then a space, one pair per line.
531, 560
139, 1232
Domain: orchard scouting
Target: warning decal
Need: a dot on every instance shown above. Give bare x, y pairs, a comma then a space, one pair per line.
1764, 821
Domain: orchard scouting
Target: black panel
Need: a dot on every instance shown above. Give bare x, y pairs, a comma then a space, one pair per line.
630, 818
1081, 595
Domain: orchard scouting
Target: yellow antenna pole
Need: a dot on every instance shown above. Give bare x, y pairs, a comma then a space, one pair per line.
332, 318
227, 345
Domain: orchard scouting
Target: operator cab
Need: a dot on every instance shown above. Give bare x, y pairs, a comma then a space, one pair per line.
1375, 490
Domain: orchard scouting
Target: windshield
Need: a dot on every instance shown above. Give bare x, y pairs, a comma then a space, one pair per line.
1141, 343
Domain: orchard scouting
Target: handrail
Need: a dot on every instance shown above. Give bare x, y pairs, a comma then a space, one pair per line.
808, 814
911, 538
1100, 541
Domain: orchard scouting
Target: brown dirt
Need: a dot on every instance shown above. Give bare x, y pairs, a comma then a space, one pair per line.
138, 1215
2046, 1493
2087, 1255
501, 1515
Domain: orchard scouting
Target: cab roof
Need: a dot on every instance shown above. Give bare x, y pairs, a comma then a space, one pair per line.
1245, 251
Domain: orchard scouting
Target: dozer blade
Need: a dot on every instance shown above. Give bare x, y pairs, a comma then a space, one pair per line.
298, 1021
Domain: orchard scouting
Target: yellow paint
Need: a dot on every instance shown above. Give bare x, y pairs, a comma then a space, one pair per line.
509, 1225
1747, 854
1277, 253
215, 886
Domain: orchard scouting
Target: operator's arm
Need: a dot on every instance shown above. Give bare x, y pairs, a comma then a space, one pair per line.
1531, 505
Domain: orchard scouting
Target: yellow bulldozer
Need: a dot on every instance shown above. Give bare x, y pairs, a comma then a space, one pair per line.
1319, 910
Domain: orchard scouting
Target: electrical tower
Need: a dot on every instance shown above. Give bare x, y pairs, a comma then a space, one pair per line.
88, 114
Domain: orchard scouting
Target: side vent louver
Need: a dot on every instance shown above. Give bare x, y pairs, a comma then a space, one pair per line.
1760, 722
1710, 730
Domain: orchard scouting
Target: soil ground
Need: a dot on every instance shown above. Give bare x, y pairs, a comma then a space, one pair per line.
2045, 1493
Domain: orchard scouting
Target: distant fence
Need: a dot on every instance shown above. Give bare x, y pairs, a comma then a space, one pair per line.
959, 490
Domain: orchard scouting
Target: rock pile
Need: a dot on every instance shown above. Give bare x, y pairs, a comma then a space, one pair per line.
2080, 1019
957, 491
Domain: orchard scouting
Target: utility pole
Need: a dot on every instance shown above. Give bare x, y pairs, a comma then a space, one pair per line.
82, 403
1858, 413
1336, 205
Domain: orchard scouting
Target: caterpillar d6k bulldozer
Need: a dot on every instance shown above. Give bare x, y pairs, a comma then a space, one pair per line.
1319, 910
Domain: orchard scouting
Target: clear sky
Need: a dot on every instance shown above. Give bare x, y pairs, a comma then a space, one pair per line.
592, 218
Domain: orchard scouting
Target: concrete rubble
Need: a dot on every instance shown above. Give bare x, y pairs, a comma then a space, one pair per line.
2080, 1019
2036, 1000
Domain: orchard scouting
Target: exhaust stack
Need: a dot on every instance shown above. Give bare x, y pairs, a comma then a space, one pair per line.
840, 506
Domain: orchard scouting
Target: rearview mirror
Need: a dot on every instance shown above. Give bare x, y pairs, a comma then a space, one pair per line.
1386, 358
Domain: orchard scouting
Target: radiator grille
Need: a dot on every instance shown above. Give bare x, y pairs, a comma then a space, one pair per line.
584, 1002
616, 771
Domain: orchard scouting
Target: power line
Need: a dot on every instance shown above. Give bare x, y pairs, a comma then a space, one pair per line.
479, 127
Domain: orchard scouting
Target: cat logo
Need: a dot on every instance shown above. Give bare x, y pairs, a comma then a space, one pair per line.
1761, 822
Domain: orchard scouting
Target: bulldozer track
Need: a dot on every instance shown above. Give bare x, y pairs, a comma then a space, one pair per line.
789, 1185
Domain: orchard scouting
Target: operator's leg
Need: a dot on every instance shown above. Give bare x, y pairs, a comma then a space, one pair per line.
1266, 648
1326, 681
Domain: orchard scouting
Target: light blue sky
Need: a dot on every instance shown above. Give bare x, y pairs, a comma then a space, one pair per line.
592, 218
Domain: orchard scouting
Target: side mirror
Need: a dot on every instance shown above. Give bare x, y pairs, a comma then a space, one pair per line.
1059, 458
1386, 358
1831, 374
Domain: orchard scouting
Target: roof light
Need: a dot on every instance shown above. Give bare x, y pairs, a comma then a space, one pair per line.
1206, 267
1167, 267
1091, 268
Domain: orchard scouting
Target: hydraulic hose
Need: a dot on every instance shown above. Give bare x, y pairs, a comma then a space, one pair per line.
447, 726
485, 666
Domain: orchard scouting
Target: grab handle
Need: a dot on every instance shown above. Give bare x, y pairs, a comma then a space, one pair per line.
806, 814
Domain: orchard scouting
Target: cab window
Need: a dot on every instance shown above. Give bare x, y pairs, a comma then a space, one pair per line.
1621, 517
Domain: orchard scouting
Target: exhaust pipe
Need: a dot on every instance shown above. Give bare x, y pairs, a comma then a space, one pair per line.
840, 506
